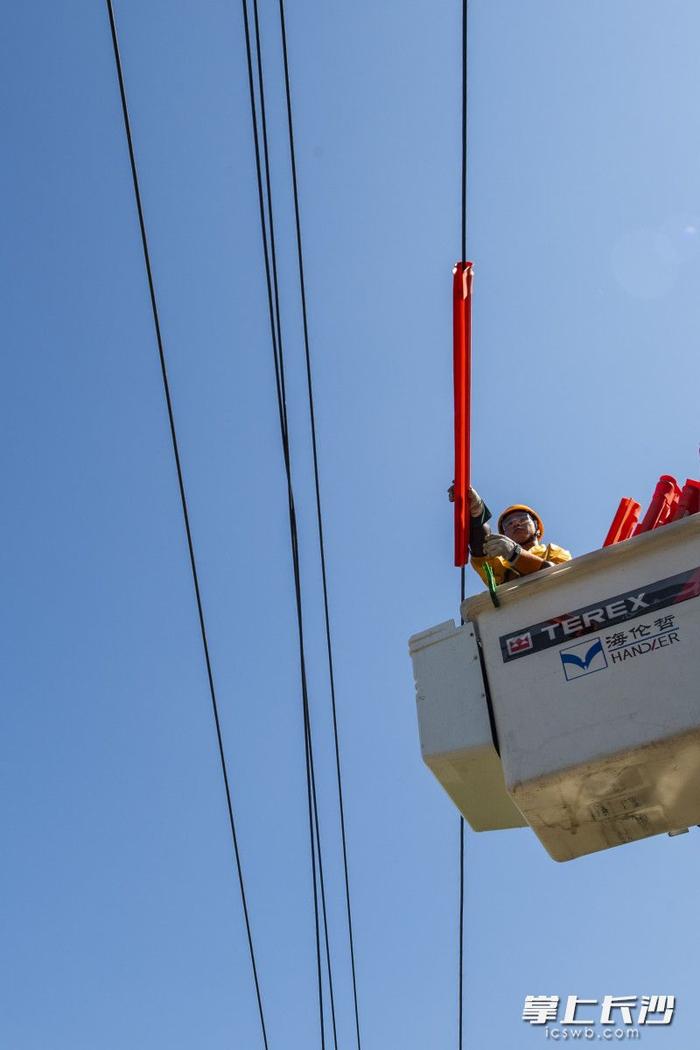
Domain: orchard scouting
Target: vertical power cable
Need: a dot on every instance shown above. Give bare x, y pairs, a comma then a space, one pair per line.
461, 927
185, 512
319, 515
270, 260
465, 16
462, 589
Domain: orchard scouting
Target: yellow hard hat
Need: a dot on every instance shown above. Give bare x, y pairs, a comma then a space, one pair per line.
528, 510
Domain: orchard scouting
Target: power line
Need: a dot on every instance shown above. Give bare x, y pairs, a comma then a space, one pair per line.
185, 511
270, 260
465, 22
461, 926
465, 88
323, 906
319, 515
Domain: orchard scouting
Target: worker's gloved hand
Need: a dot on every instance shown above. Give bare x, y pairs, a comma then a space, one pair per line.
497, 546
476, 504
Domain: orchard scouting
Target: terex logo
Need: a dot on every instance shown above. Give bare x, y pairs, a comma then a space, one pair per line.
520, 643
591, 619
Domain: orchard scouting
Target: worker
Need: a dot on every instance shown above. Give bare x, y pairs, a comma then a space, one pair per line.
516, 549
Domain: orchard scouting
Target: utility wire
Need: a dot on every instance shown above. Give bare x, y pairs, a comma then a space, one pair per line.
317, 858
319, 515
185, 511
311, 779
270, 260
323, 904
461, 926
275, 306
465, 21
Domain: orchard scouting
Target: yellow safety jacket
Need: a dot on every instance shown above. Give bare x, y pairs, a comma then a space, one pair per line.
503, 572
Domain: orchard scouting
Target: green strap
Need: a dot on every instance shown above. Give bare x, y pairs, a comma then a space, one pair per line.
491, 580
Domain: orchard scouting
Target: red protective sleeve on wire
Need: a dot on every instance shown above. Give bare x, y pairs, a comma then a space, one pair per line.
662, 506
689, 502
462, 320
624, 522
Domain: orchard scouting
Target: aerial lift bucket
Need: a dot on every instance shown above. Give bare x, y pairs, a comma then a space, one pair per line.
574, 707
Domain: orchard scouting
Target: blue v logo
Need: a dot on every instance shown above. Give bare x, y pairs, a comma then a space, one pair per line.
584, 658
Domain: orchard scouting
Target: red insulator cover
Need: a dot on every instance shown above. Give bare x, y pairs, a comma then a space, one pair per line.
624, 522
662, 506
462, 327
689, 501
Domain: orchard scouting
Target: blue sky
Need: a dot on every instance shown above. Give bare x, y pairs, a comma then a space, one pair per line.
122, 922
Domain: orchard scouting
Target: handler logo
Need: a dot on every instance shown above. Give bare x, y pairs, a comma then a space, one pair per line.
584, 658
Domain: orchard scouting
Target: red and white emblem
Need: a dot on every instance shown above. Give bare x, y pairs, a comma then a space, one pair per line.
519, 644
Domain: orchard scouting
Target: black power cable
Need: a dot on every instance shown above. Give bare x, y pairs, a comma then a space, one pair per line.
270, 260
463, 570
315, 831
319, 515
323, 902
465, 20
461, 929
185, 512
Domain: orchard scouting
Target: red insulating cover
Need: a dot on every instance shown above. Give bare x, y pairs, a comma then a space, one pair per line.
662, 506
624, 522
462, 323
689, 501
